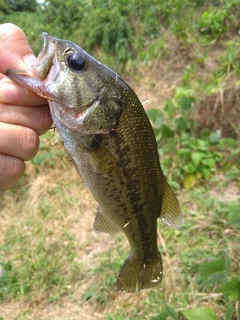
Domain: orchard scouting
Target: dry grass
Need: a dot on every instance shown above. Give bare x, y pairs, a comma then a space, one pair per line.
46, 223
86, 294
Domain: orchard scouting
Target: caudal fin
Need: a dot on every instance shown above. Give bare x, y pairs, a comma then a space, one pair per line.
133, 277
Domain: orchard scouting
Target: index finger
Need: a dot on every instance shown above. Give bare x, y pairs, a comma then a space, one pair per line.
17, 54
12, 93
16, 48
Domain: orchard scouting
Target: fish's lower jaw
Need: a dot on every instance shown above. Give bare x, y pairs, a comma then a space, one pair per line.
133, 278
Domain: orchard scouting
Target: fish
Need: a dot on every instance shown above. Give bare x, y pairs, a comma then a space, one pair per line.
109, 137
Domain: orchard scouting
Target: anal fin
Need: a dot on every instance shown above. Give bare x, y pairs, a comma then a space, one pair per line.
103, 224
170, 210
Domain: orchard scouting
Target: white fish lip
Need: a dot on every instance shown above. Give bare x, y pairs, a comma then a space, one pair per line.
42, 53
45, 57
71, 119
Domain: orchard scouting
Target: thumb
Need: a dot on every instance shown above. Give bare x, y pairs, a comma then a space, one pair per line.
15, 51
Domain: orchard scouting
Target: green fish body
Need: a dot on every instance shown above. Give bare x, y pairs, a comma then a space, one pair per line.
110, 139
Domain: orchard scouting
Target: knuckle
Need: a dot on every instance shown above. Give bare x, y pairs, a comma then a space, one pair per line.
29, 143
2, 111
45, 120
9, 30
11, 170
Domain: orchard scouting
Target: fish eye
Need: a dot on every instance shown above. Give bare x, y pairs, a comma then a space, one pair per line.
76, 61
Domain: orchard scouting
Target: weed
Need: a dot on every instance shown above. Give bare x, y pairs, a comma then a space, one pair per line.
52, 264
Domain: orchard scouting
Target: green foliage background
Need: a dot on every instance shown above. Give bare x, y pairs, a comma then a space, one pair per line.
135, 38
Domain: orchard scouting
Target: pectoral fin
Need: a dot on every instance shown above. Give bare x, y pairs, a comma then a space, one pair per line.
170, 210
103, 161
102, 224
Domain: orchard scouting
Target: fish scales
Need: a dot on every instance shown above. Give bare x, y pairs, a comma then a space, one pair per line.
138, 170
110, 139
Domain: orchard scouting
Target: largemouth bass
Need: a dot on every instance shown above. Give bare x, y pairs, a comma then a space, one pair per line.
108, 135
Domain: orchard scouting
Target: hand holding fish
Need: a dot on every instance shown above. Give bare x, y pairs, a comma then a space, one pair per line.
23, 114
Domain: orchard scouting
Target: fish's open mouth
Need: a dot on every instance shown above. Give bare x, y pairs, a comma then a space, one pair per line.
72, 119
35, 78
45, 57
45, 37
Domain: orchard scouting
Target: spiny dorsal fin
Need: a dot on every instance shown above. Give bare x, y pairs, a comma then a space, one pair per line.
102, 223
170, 210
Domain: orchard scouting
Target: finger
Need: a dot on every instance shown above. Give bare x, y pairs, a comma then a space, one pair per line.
17, 54
10, 167
18, 141
16, 48
12, 93
37, 118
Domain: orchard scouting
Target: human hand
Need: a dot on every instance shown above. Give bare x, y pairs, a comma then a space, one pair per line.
23, 115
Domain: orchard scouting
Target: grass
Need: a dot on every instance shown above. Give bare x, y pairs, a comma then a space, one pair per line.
55, 266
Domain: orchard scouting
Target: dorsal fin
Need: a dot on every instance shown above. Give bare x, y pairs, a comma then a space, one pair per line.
102, 223
170, 210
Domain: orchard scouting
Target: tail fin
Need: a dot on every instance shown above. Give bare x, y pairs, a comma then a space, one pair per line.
133, 277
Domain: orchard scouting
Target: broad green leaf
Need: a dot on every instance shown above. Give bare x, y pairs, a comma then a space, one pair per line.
210, 162
186, 103
197, 157
201, 144
234, 218
174, 185
194, 144
169, 147
181, 124
234, 213
231, 289
217, 277
204, 133
159, 121
208, 268
182, 91
206, 173
169, 107
229, 310
227, 263
153, 114
172, 312
215, 137
200, 314
167, 132
161, 316
189, 181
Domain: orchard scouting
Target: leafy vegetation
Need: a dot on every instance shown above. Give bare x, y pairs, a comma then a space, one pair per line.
196, 156
183, 56
8, 7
